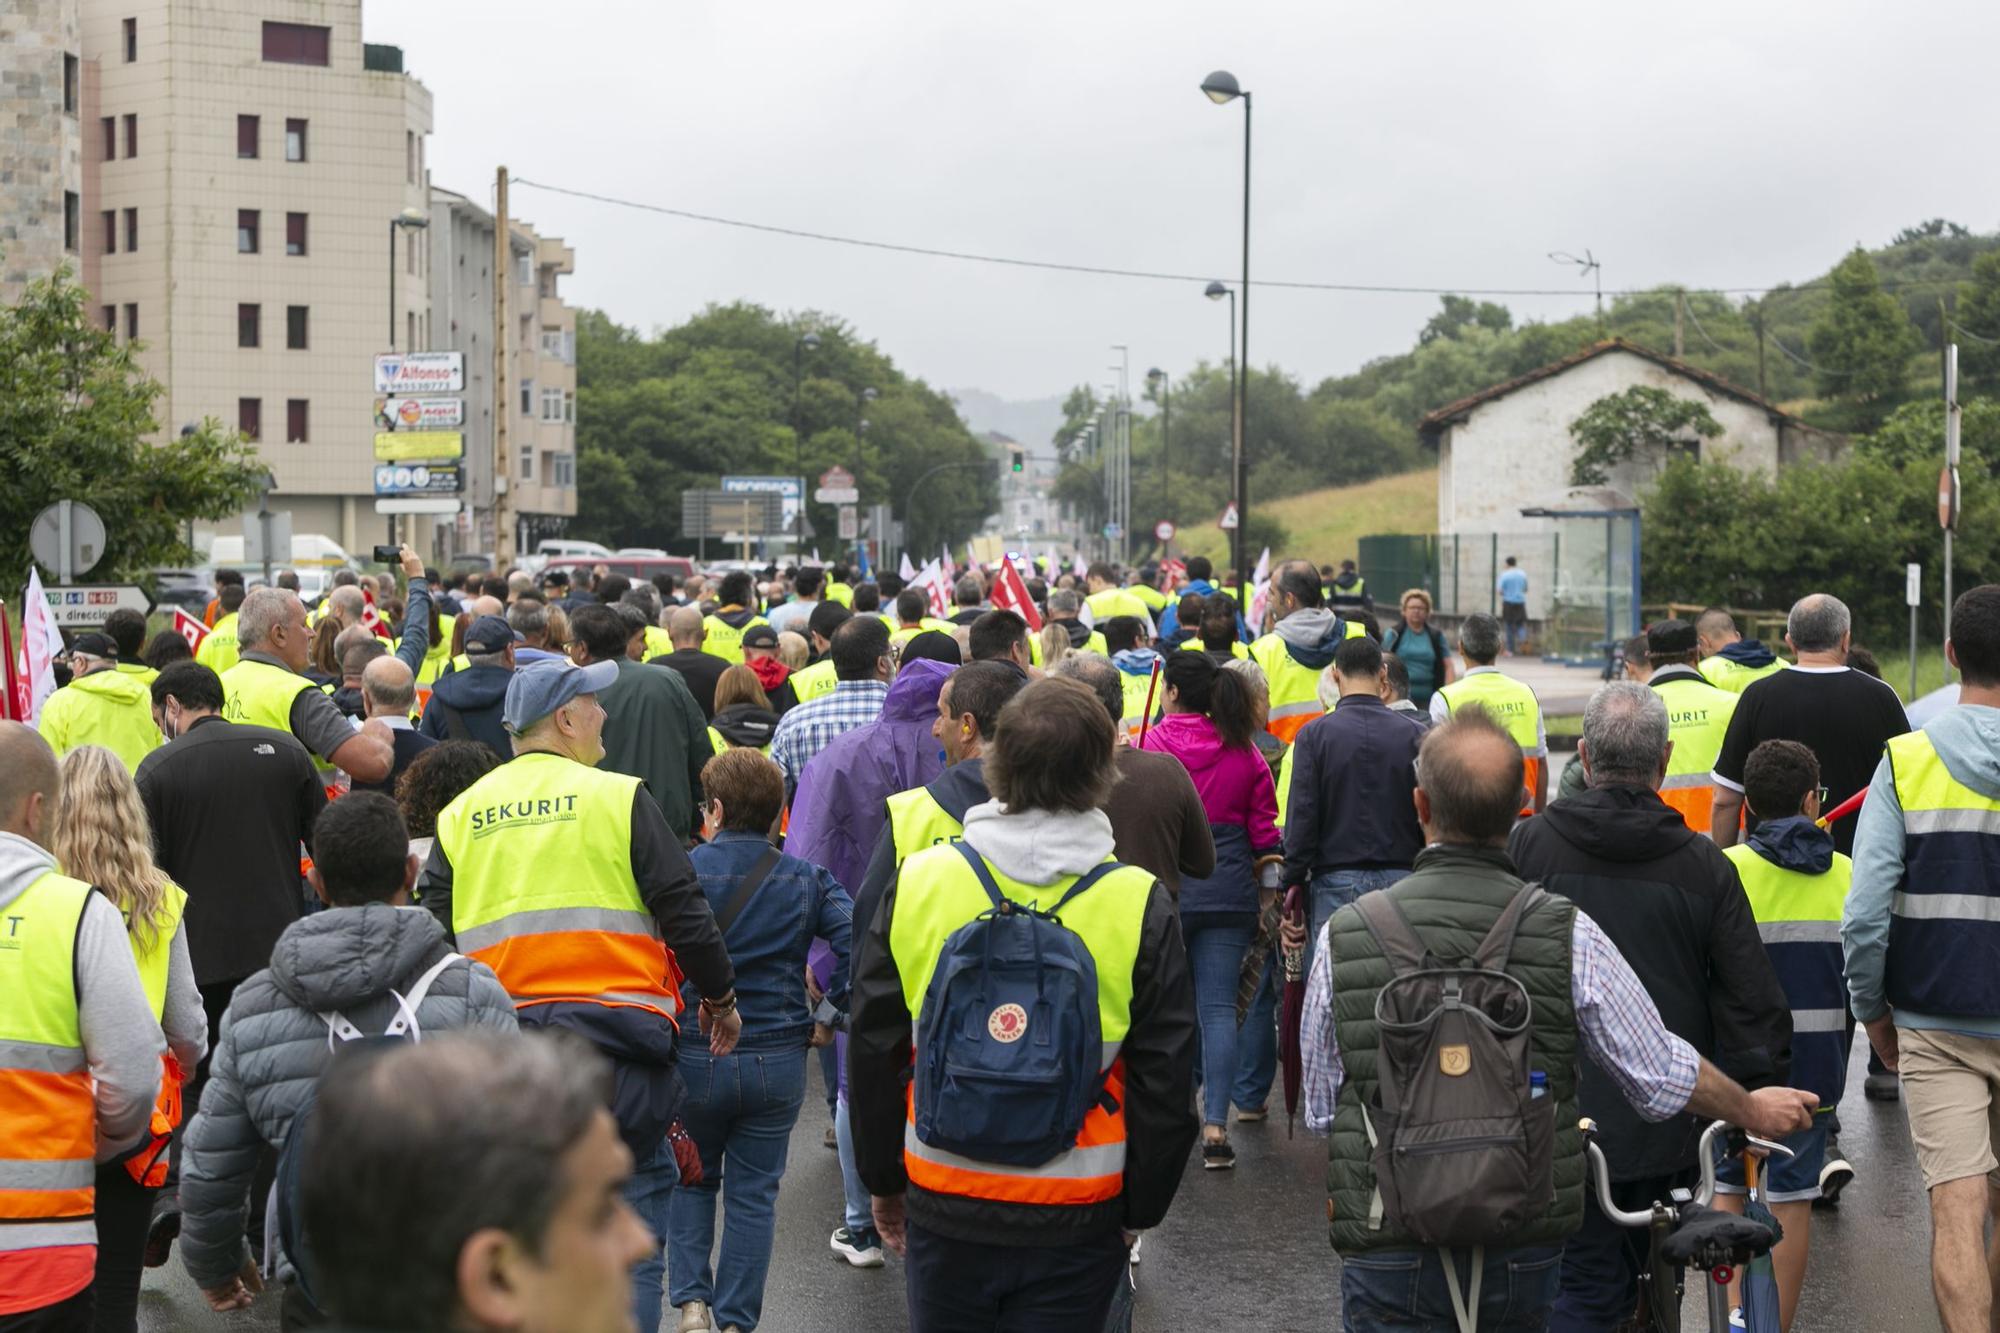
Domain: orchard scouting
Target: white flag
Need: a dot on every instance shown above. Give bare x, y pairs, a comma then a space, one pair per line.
817, 563
945, 562
931, 578
41, 644
1263, 567
1260, 591
1076, 566
907, 572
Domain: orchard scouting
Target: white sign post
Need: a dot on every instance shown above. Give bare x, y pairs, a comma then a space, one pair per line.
1913, 594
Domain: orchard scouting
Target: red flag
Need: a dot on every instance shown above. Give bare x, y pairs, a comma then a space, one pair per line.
1010, 593
371, 619
189, 628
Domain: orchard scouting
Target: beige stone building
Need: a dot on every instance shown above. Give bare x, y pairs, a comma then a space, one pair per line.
41, 141
244, 165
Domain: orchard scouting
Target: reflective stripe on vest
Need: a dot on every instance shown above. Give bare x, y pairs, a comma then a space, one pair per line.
48, 1156
154, 954
1944, 923
1514, 706
1294, 688
815, 681
1697, 719
917, 823
1798, 918
936, 894
543, 891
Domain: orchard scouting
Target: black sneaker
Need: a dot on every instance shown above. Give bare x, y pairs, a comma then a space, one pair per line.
1217, 1155
160, 1238
1882, 1088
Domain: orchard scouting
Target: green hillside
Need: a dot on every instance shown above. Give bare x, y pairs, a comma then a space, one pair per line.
1327, 525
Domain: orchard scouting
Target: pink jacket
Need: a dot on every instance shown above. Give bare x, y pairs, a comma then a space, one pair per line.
1234, 783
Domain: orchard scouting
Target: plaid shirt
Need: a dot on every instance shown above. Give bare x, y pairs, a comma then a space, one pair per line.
808, 728
1621, 1030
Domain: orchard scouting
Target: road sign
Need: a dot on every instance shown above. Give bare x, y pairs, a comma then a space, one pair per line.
1164, 530
401, 446
837, 478
850, 523
414, 504
1948, 499
1228, 521
418, 479
1913, 585
722, 513
790, 490
419, 413
837, 495
1112, 532
419, 372
85, 605
67, 537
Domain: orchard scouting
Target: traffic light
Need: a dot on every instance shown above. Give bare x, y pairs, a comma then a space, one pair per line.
1019, 459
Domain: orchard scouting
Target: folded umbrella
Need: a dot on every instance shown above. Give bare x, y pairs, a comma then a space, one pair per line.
1291, 1006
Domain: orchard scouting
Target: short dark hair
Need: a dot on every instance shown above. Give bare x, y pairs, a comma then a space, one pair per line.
1299, 581
807, 582
1052, 749
1864, 661
1123, 632
610, 588
1779, 775
1471, 769
231, 597
983, 689
1218, 622
995, 634
360, 847
889, 584
436, 778
191, 684
1200, 567
166, 649
663, 584
1358, 657
600, 629
910, 604
1975, 634
225, 578
857, 647
867, 597
1399, 675
469, 1129
1189, 608
736, 589
931, 645
127, 629
750, 787
1099, 570
828, 617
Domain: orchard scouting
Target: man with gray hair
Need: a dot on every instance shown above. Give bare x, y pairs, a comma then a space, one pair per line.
268, 688
969, 594
389, 695
1066, 610
1673, 905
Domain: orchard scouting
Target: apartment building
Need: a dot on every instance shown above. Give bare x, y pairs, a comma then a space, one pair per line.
41, 141
541, 468
254, 197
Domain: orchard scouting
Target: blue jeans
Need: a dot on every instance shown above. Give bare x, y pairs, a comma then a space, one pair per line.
1406, 1289
859, 1214
1257, 1042
1335, 889
1215, 955
740, 1109
652, 1184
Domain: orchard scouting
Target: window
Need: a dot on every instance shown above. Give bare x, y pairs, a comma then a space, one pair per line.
563, 474
110, 316
420, 157
69, 83
410, 340
527, 398
527, 463
410, 156
246, 136
297, 43
248, 319
131, 321
295, 421
295, 328
110, 126
246, 231
569, 408
295, 233
552, 404
132, 136
110, 231
250, 417
295, 141
131, 40
131, 230
410, 252
72, 221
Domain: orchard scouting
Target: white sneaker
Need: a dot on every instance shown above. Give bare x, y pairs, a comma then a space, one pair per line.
863, 1249
1133, 1257
694, 1318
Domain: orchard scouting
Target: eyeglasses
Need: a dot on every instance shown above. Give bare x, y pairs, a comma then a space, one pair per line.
1823, 795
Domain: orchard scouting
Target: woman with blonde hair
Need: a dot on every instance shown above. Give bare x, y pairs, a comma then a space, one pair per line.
794, 650
1421, 648
743, 718
102, 837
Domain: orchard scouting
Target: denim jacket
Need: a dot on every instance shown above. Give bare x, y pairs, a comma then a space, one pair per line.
769, 939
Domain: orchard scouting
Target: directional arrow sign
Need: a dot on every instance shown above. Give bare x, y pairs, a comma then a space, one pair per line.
85, 605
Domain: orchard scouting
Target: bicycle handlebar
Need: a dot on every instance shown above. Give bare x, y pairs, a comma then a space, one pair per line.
1600, 1171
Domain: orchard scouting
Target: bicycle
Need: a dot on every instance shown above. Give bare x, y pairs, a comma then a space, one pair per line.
1685, 1231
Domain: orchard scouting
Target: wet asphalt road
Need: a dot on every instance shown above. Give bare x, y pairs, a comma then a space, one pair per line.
1247, 1249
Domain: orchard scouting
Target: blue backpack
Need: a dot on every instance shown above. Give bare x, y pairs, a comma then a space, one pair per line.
1010, 1042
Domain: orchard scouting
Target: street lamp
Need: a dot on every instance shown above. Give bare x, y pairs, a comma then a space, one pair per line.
410, 219
808, 342
1164, 387
861, 401
1221, 87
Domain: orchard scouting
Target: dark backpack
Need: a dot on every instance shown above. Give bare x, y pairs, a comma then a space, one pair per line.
352, 1048
1010, 1043
1463, 1151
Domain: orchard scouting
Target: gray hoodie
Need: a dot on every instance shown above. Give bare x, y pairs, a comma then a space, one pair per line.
1967, 739
121, 1041
274, 1044
1039, 846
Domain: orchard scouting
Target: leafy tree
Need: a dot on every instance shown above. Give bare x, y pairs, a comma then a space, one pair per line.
1458, 312
76, 412
1912, 439
1930, 231
1862, 340
1641, 422
1978, 314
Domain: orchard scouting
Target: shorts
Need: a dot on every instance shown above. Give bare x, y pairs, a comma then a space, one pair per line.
1951, 1089
1514, 613
1792, 1179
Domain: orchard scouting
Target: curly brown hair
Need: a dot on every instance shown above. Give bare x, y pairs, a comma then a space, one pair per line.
437, 778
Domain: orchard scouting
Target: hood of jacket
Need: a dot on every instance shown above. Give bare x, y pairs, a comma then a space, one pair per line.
1796, 843
1202, 586
1039, 846
1619, 823
1312, 636
1182, 634
913, 694
1345, 581
746, 725
1967, 739
1749, 653
736, 617
474, 688
961, 787
21, 864
1079, 633
114, 686
1188, 737
1135, 661
770, 672
348, 955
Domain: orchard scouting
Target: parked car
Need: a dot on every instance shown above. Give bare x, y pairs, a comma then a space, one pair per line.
636, 568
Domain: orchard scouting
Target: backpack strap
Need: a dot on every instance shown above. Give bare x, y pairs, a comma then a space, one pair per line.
746, 889
1498, 946
339, 1028
1088, 880
1394, 936
455, 727
979, 868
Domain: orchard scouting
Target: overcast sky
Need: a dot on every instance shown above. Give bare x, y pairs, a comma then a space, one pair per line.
1447, 144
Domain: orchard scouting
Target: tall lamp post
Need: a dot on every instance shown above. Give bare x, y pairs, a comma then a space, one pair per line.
1221, 87
808, 342
410, 219
861, 401
1161, 385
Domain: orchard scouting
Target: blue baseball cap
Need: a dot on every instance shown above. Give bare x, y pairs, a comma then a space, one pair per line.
540, 688
488, 635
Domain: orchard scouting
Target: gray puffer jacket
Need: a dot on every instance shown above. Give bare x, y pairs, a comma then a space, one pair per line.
274, 1045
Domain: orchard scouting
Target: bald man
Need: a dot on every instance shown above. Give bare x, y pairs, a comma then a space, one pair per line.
389, 696
79, 1055
700, 670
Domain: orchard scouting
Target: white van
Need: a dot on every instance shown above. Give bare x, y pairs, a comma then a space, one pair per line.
559, 548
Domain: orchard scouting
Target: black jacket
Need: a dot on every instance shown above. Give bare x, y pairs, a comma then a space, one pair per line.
409, 743
1672, 903
465, 705
1160, 1122
1353, 771
699, 669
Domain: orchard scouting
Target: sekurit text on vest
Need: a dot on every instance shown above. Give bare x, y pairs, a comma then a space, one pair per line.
522, 814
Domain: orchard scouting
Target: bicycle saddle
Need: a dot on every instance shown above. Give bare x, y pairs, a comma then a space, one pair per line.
1705, 1236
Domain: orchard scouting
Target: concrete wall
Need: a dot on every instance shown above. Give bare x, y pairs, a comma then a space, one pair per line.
41, 143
